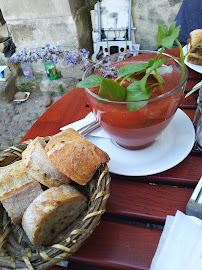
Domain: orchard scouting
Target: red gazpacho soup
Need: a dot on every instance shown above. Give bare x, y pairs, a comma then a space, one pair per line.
138, 129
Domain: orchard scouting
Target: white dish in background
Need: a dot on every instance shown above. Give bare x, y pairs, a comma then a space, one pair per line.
190, 65
23, 99
168, 150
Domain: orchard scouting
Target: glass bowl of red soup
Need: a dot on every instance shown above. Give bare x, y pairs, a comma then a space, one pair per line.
134, 119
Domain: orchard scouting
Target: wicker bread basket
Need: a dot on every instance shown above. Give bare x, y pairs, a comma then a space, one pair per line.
16, 251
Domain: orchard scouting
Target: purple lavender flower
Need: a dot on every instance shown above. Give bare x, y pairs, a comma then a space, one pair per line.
72, 58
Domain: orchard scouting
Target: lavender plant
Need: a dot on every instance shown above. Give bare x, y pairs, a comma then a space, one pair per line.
48, 53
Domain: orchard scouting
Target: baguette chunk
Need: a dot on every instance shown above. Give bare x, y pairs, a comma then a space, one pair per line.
17, 190
51, 212
38, 165
75, 156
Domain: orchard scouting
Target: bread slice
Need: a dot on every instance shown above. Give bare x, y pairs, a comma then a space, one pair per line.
51, 212
16, 202
17, 190
75, 156
38, 165
195, 57
195, 37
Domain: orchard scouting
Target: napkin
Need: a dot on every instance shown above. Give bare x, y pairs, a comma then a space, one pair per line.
99, 132
180, 245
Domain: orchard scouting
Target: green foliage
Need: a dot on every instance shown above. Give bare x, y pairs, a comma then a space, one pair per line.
59, 74
131, 69
166, 37
139, 89
92, 81
61, 89
134, 93
111, 90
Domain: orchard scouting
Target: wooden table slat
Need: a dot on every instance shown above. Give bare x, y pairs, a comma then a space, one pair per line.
143, 202
133, 247
189, 102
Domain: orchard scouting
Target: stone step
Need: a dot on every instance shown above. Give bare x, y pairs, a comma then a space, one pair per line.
39, 82
8, 89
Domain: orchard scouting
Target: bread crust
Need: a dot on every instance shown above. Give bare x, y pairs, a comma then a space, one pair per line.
38, 165
195, 56
75, 156
13, 177
17, 190
51, 212
16, 202
195, 37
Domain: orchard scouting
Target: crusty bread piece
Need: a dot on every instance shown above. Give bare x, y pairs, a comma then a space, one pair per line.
38, 165
51, 212
17, 201
12, 177
195, 37
17, 190
75, 156
195, 57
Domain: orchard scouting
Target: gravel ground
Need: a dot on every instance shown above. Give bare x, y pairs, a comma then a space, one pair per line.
16, 119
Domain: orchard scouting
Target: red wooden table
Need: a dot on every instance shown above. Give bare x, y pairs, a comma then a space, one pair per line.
127, 236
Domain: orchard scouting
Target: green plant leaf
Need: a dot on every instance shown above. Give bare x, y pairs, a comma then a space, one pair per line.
134, 93
159, 63
161, 34
172, 26
131, 69
91, 81
162, 70
156, 64
111, 90
151, 62
143, 82
166, 37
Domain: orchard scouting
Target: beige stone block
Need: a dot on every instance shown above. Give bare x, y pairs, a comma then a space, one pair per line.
35, 9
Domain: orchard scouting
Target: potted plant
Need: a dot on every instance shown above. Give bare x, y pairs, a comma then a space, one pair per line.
50, 56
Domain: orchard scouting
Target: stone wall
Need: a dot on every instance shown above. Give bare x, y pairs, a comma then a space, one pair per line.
148, 14
35, 23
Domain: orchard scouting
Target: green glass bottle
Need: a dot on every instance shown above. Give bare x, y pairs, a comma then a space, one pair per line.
50, 70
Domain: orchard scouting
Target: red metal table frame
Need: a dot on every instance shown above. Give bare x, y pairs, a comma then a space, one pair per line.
127, 237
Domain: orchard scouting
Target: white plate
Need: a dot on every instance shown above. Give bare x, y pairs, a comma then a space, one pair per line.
23, 99
168, 150
192, 66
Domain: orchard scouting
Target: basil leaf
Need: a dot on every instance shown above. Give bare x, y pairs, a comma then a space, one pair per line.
172, 26
164, 70
91, 81
167, 37
161, 34
134, 93
161, 71
151, 62
143, 82
158, 64
131, 69
111, 90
